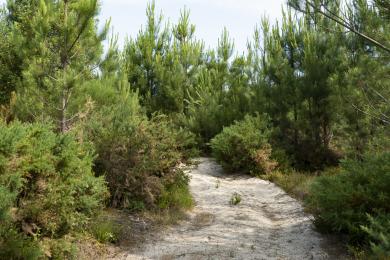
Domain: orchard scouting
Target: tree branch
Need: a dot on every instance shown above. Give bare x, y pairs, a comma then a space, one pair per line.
339, 20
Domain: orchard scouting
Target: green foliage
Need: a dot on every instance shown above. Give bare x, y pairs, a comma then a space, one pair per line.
176, 194
105, 230
298, 62
161, 62
16, 245
47, 185
204, 115
235, 199
326, 96
221, 94
63, 49
10, 61
137, 156
244, 146
341, 202
379, 233
62, 248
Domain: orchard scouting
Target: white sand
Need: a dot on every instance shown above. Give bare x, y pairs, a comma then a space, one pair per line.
267, 224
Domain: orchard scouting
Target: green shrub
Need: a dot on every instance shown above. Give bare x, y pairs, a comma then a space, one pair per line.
379, 233
17, 245
176, 194
205, 115
47, 186
136, 155
105, 230
62, 248
244, 146
341, 202
186, 142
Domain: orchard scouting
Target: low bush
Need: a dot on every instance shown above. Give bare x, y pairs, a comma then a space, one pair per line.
244, 146
355, 202
47, 187
176, 194
138, 156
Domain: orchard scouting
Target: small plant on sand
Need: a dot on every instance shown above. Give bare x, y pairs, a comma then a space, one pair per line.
235, 199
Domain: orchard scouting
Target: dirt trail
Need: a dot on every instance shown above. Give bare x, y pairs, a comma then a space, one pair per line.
267, 224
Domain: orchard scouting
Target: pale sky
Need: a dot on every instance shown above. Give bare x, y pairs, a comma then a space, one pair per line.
209, 16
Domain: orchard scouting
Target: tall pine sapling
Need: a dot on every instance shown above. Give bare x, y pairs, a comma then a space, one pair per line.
67, 50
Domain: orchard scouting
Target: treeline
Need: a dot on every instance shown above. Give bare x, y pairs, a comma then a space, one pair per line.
82, 129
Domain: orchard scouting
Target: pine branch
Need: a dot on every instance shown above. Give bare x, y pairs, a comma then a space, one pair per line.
371, 115
83, 27
339, 20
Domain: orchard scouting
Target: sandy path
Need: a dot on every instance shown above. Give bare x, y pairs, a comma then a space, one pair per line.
267, 224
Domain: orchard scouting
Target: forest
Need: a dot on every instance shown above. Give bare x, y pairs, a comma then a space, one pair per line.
84, 130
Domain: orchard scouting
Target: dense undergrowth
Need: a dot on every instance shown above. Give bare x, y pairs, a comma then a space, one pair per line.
355, 202
138, 156
48, 184
48, 189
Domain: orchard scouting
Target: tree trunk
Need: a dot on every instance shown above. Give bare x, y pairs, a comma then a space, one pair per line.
64, 57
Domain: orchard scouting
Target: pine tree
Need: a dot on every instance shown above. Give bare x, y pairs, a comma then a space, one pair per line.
140, 55
364, 86
11, 58
7, 77
188, 50
298, 61
281, 73
66, 50
162, 62
221, 66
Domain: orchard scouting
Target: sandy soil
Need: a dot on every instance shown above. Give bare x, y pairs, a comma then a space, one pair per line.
266, 224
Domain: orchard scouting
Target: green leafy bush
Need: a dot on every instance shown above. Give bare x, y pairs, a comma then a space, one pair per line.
340, 203
244, 146
47, 186
138, 156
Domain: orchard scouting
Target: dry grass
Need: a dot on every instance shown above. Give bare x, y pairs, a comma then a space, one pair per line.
297, 184
203, 219
294, 183
164, 217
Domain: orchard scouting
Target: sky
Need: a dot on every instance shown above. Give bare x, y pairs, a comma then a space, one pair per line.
209, 16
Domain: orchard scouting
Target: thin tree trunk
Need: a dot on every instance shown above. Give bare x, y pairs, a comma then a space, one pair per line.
64, 99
